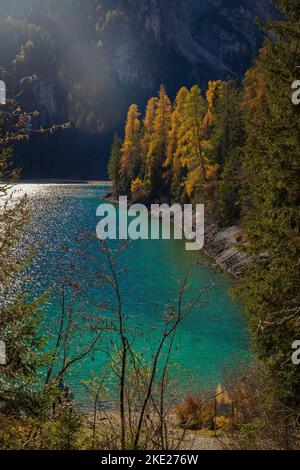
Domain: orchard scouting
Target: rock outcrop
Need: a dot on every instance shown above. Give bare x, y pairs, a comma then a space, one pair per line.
226, 249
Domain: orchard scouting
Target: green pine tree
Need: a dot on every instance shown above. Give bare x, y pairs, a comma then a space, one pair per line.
227, 138
271, 203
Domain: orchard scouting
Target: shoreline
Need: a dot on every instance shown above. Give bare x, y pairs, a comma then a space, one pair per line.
223, 247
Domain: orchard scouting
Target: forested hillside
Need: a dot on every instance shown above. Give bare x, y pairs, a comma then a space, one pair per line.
93, 58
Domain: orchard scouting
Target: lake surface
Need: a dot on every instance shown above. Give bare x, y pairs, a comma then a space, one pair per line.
212, 338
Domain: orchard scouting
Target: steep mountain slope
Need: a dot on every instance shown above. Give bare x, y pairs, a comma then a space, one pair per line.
214, 38
94, 58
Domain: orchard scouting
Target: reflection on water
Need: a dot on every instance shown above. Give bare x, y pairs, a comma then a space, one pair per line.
212, 336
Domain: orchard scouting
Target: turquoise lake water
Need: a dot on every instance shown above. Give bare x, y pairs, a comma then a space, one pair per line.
213, 338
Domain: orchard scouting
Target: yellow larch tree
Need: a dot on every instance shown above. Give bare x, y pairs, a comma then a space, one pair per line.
148, 131
213, 90
157, 150
173, 165
190, 140
130, 155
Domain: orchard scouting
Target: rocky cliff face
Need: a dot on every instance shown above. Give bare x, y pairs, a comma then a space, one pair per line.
203, 38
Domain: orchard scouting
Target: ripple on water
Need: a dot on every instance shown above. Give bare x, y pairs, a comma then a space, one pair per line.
210, 337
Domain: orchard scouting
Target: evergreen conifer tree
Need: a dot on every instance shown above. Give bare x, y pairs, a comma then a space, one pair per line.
271, 202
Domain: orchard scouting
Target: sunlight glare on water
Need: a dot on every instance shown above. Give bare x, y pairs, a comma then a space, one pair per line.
214, 335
